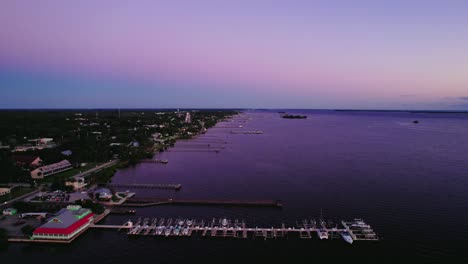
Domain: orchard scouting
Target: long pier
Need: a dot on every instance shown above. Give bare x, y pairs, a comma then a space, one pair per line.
350, 231
157, 201
163, 161
145, 186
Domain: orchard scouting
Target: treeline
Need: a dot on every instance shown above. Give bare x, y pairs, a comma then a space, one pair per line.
88, 134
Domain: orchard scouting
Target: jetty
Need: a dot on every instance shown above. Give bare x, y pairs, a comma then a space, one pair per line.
251, 132
163, 161
307, 229
151, 201
145, 186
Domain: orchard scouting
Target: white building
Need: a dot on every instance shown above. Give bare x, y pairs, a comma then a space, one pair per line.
51, 169
4, 191
77, 185
103, 194
188, 118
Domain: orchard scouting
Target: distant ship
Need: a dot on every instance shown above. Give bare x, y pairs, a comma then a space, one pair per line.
293, 116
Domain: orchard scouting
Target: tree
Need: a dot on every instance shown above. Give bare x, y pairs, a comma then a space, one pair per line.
3, 238
27, 230
95, 207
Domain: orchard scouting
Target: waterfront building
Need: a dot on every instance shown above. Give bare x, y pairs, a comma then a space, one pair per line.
51, 169
103, 194
4, 191
66, 224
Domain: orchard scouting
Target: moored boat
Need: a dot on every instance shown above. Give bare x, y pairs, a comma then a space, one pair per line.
347, 237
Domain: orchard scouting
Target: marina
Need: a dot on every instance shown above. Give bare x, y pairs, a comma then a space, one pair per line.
349, 231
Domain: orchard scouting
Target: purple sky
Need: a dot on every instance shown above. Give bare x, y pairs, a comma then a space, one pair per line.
258, 54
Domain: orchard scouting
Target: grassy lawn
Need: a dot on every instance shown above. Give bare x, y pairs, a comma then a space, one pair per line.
16, 192
69, 173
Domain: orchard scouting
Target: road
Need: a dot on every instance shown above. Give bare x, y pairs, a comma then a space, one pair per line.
79, 175
96, 169
8, 203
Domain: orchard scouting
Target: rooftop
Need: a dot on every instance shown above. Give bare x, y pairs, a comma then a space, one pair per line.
66, 217
55, 166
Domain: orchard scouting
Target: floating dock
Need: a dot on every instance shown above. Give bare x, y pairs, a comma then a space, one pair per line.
307, 229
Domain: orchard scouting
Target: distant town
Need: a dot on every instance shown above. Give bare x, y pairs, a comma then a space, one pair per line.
57, 163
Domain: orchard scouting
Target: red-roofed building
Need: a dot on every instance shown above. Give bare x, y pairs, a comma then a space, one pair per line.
66, 224
24, 160
51, 169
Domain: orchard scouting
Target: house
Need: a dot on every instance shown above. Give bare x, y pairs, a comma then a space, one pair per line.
37, 144
134, 144
4, 191
67, 153
156, 136
77, 185
103, 194
66, 224
42, 141
29, 161
3, 147
51, 169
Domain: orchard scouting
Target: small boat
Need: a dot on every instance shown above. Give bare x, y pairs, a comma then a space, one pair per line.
185, 231
347, 237
177, 231
181, 223
189, 222
322, 233
224, 222
160, 230
168, 230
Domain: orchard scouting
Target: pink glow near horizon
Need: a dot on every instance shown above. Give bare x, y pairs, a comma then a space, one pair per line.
338, 53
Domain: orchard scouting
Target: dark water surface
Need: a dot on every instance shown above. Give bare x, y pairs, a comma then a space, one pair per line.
408, 181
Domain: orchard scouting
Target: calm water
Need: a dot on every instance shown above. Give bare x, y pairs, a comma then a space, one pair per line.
409, 181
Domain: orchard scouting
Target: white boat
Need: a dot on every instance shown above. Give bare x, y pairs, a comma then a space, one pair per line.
322, 233
167, 232
176, 231
160, 230
347, 237
224, 222
189, 222
181, 222
359, 223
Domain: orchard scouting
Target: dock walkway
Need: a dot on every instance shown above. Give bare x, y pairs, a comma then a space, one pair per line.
238, 229
157, 201
145, 186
